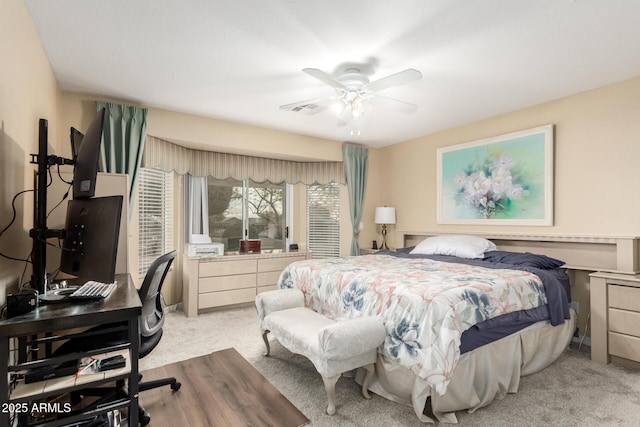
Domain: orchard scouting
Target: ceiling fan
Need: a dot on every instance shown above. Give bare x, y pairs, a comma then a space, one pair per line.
355, 93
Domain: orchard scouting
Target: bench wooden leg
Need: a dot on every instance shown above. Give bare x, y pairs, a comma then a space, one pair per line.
367, 380
330, 386
266, 342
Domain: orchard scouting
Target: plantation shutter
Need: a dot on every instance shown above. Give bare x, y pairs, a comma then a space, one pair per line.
155, 220
323, 220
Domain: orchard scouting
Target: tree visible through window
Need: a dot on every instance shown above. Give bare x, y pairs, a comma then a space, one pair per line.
247, 210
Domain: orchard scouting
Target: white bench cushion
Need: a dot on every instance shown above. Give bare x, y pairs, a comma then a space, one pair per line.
282, 299
333, 347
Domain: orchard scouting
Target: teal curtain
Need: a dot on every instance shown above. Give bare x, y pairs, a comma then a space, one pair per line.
355, 167
123, 142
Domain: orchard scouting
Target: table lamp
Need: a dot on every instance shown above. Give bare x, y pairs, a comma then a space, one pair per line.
385, 215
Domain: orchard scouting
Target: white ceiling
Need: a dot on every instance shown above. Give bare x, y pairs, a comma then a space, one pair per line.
241, 60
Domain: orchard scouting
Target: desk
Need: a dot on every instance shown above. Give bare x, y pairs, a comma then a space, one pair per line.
123, 305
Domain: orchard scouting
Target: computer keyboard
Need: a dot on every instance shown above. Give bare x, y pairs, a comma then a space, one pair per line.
93, 290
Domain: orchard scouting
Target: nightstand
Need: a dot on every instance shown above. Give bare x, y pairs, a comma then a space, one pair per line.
615, 317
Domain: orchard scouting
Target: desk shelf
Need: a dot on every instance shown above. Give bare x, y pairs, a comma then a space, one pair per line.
68, 383
50, 323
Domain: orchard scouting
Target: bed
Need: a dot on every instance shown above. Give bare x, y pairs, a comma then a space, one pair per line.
464, 320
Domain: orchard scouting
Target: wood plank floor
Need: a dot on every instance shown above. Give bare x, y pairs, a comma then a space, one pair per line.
220, 389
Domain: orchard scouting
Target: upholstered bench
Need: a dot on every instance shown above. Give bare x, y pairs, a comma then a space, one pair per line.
332, 346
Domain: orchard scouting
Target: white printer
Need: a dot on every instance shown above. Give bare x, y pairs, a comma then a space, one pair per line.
202, 246
205, 249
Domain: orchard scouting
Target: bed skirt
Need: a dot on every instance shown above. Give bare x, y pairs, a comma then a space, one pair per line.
481, 375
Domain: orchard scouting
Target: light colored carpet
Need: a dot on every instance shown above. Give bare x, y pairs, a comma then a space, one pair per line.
572, 392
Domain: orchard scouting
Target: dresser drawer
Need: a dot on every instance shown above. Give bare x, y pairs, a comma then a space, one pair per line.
226, 283
231, 279
624, 297
227, 268
266, 288
624, 322
277, 264
269, 278
218, 299
624, 346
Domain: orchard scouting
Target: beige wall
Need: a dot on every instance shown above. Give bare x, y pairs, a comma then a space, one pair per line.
205, 133
28, 92
597, 148
597, 178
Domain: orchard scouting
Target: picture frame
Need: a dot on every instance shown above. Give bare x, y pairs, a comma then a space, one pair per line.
502, 180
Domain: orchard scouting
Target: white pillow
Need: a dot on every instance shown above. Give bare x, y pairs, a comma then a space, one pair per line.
462, 246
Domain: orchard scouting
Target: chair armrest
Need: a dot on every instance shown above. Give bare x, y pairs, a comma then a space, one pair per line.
281, 299
352, 337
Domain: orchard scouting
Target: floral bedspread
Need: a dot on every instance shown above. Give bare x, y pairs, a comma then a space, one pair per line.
424, 304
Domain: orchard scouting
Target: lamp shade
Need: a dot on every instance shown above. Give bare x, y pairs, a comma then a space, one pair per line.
385, 215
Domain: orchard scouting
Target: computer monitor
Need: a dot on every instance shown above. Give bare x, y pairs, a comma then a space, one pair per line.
86, 162
89, 251
76, 142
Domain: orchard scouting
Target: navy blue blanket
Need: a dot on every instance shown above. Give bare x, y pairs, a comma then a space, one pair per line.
556, 285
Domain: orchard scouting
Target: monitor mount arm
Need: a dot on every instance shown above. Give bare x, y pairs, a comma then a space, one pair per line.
40, 233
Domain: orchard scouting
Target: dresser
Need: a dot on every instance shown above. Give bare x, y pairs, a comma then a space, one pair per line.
615, 317
228, 280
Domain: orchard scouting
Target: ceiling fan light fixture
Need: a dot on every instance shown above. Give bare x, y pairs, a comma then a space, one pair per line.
338, 107
355, 92
358, 107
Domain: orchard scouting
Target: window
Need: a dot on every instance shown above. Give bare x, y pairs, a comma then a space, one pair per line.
155, 220
247, 210
323, 220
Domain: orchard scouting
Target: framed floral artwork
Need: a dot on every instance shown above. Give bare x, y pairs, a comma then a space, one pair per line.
503, 180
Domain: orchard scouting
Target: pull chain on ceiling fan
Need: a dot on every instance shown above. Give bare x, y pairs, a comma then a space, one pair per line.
354, 93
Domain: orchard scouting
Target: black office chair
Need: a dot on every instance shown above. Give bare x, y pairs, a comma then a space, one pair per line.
151, 321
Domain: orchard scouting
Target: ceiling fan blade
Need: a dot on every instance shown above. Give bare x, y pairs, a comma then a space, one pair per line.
325, 78
310, 106
394, 104
396, 79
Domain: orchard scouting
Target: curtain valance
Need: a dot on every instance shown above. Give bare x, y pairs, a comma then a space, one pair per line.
168, 156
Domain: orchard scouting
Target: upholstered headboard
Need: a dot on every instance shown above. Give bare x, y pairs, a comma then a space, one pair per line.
589, 253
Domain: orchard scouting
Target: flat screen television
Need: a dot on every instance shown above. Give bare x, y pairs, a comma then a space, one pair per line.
85, 168
89, 251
